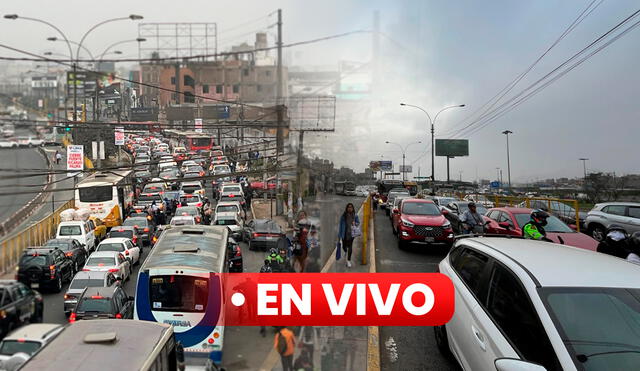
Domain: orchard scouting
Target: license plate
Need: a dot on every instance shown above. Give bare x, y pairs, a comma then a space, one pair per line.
429, 239
269, 238
35, 285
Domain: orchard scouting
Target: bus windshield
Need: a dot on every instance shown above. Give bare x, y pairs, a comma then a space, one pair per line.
178, 293
95, 194
200, 142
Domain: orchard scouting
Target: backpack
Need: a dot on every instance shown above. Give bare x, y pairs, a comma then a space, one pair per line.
282, 343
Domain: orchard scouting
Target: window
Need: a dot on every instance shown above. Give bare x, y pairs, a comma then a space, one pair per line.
420, 208
504, 217
218, 89
80, 283
509, 306
173, 80
205, 89
236, 88
95, 194
11, 347
178, 293
471, 265
70, 230
102, 305
102, 260
111, 247
493, 214
634, 212
615, 209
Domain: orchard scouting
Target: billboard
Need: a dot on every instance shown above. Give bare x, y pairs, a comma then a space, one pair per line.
75, 157
452, 147
198, 125
374, 165
406, 168
216, 112
141, 114
386, 165
119, 136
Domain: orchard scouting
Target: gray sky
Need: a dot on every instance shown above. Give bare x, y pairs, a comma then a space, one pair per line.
442, 52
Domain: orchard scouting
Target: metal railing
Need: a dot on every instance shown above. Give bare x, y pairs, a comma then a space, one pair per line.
565, 209
35, 235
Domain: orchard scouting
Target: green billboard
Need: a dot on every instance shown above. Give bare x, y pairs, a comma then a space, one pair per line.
452, 147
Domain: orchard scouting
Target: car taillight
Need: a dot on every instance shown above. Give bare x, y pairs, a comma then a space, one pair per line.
86, 270
199, 204
136, 227
52, 271
97, 297
135, 239
69, 254
146, 230
155, 239
113, 270
126, 252
238, 252
118, 316
67, 297
72, 317
256, 235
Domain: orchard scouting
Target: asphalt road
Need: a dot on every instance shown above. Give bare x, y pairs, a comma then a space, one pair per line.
18, 158
407, 348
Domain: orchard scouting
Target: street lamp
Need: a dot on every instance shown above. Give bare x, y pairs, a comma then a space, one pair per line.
507, 132
73, 43
138, 40
404, 150
433, 150
584, 168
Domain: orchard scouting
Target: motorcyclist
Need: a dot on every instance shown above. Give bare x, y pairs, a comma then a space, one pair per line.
275, 260
471, 220
634, 248
266, 268
286, 266
616, 242
534, 229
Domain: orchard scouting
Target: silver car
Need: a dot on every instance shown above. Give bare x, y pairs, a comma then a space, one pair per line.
602, 216
83, 280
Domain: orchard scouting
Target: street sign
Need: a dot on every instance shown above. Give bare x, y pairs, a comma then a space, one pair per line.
75, 157
452, 147
494, 184
391, 173
406, 168
386, 165
119, 136
198, 125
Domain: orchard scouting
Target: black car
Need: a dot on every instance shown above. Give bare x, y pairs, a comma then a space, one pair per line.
145, 228
129, 232
234, 256
18, 304
71, 248
263, 234
44, 267
103, 302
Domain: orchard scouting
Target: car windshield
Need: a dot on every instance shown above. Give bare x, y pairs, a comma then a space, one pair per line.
33, 260
59, 244
70, 230
554, 224
235, 189
267, 227
111, 247
611, 339
81, 283
100, 260
11, 347
179, 293
227, 209
95, 194
420, 208
131, 222
182, 221
189, 200
124, 233
102, 305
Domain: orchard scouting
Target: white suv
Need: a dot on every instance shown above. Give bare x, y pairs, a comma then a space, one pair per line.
602, 216
531, 305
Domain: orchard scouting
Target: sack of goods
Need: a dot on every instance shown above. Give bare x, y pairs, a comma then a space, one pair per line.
67, 215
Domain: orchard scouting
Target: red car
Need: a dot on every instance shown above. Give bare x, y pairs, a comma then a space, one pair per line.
510, 220
419, 220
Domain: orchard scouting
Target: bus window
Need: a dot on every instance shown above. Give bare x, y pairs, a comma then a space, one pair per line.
178, 293
95, 194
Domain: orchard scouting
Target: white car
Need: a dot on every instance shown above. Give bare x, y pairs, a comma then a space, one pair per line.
191, 199
121, 245
232, 221
28, 339
533, 306
234, 188
84, 232
230, 206
8, 143
109, 261
186, 164
193, 186
183, 220
30, 141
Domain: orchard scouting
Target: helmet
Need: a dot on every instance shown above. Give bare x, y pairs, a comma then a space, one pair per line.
273, 251
539, 216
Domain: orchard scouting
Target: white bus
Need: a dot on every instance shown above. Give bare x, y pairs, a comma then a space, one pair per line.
180, 284
107, 195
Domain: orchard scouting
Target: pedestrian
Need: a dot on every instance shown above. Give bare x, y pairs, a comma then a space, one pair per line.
285, 343
374, 201
348, 221
58, 157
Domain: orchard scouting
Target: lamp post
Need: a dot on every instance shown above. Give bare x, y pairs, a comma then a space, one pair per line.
432, 124
53, 38
138, 40
404, 151
506, 133
584, 168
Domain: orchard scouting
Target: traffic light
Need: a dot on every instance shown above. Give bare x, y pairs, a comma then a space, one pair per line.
67, 129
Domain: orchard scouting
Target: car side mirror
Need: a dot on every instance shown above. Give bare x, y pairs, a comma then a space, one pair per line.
444, 212
573, 226
510, 364
504, 225
395, 211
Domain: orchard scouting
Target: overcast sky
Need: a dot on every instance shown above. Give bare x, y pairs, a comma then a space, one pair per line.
434, 53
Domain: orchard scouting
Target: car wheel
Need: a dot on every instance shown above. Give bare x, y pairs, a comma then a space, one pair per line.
597, 232
440, 333
58, 284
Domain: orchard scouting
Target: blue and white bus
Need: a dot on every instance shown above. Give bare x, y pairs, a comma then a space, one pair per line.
180, 284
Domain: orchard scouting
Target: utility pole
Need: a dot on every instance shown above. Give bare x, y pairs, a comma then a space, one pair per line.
279, 105
507, 132
75, 94
299, 162
584, 168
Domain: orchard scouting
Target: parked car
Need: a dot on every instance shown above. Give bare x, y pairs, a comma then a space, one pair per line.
129, 232
510, 220
28, 339
420, 221
145, 228
603, 215
103, 302
453, 210
530, 305
262, 234
71, 248
109, 261
19, 304
123, 246
45, 267
83, 280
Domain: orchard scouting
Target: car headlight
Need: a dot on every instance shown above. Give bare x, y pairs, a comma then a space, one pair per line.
446, 224
407, 223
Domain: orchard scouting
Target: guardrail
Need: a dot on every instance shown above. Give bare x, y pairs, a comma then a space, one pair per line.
366, 213
35, 235
557, 206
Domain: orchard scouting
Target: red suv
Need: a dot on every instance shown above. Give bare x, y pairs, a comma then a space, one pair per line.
419, 220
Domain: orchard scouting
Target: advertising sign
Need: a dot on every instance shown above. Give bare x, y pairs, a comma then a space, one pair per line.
374, 165
405, 168
75, 157
119, 136
198, 125
386, 165
144, 114
452, 147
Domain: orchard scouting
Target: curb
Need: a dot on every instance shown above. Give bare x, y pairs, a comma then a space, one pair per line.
373, 338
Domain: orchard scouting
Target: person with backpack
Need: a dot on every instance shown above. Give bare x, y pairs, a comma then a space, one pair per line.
348, 223
285, 343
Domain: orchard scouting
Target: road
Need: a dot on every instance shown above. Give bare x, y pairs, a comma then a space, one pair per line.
415, 347
18, 158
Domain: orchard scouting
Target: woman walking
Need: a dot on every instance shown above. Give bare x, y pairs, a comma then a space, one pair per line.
348, 221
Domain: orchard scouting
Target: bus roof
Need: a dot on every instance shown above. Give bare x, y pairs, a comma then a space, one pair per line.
135, 343
104, 178
197, 247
